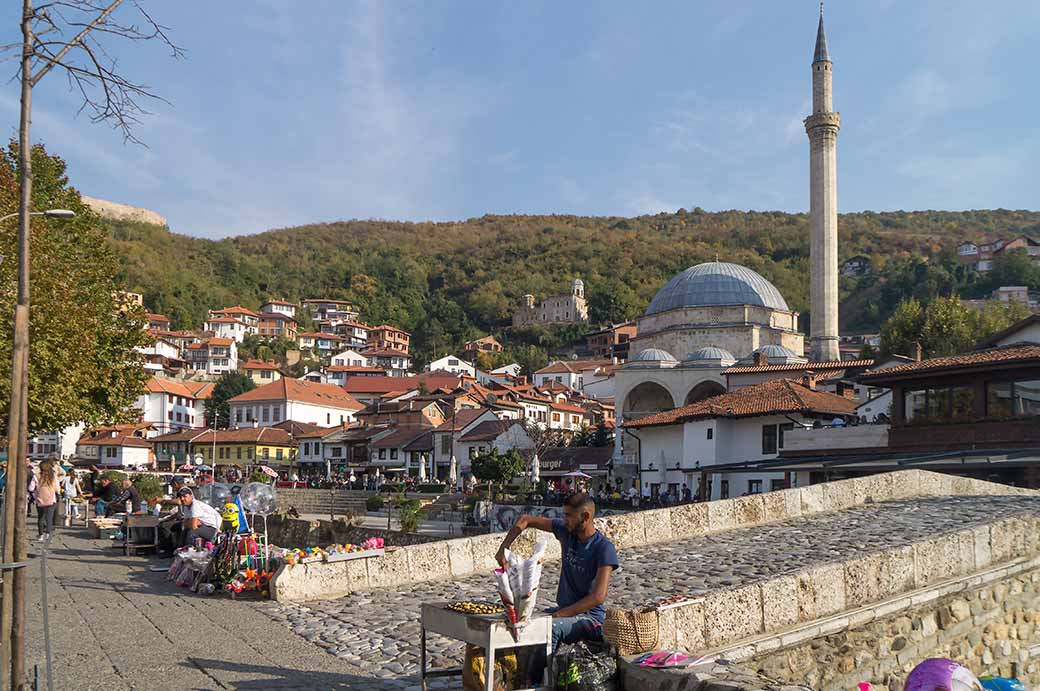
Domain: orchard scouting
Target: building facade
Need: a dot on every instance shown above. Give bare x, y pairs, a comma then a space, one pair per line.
556, 309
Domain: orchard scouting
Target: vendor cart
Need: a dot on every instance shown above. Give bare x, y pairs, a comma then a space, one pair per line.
489, 632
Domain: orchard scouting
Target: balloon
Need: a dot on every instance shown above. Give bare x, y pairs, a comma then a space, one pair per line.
258, 497
219, 494
939, 674
1001, 684
204, 492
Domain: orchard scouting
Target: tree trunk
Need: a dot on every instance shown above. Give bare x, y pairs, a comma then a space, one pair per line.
13, 616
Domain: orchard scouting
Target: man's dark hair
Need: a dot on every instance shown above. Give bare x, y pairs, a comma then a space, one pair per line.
580, 502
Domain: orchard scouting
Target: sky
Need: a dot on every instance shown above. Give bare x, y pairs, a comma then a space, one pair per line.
282, 113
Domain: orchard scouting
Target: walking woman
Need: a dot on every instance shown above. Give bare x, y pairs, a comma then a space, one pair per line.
46, 500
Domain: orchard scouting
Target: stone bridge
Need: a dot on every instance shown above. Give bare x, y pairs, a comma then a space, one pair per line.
826, 586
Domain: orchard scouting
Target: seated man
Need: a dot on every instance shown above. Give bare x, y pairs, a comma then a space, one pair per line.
588, 560
129, 501
104, 492
198, 519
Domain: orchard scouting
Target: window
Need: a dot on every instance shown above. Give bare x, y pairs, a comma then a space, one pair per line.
786, 427
445, 444
754, 487
179, 418
328, 418
267, 452
768, 439
306, 448
238, 415
265, 413
556, 417
278, 454
472, 451
777, 485
276, 413
939, 403
169, 398
382, 454
337, 451
393, 454
169, 415
249, 453
265, 375
110, 452
711, 434
574, 420
238, 453
1013, 398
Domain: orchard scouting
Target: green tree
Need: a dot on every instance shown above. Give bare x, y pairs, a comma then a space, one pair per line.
612, 301
946, 326
229, 385
903, 328
1014, 268
497, 468
603, 436
82, 364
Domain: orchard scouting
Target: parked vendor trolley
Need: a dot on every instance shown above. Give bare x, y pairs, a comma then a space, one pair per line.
487, 631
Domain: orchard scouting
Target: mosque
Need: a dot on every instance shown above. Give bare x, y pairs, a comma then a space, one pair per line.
715, 315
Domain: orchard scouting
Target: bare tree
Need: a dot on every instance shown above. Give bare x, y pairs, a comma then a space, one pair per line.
66, 35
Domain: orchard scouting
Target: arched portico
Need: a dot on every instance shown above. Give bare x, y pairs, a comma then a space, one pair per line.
646, 398
704, 389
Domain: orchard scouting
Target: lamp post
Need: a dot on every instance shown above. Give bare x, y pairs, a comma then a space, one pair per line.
15, 548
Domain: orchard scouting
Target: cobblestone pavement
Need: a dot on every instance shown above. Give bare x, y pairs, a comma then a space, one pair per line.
377, 632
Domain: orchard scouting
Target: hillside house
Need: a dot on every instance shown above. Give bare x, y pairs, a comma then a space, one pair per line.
158, 322
611, 342
386, 337
396, 363
279, 307
120, 446
453, 364
169, 405
260, 371
247, 316
212, 356
228, 327
488, 344
323, 309
277, 325
296, 400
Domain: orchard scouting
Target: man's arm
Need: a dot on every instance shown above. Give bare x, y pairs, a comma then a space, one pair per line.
594, 599
525, 521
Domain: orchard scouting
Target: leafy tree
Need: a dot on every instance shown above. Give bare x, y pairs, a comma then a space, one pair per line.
229, 385
150, 486
1014, 268
408, 514
82, 364
946, 326
603, 435
903, 328
497, 468
612, 301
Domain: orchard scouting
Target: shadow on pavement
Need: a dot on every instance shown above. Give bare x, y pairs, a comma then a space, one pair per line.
270, 677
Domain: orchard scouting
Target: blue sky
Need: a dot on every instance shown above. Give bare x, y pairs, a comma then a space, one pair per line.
284, 113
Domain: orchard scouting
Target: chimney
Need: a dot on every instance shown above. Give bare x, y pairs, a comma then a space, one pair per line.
809, 380
759, 359
915, 351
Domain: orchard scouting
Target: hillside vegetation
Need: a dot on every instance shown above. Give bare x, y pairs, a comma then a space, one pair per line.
448, 282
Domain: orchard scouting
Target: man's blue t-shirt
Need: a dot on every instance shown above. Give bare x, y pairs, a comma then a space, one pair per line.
581, 562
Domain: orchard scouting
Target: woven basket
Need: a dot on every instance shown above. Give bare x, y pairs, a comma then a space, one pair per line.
631, 631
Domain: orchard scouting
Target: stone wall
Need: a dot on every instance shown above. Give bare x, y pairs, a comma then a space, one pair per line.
992, 629
297, 532
467, 556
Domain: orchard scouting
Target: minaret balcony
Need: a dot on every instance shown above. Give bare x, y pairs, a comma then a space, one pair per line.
822, 120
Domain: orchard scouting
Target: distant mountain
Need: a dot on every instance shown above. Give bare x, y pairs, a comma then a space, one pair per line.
447, 282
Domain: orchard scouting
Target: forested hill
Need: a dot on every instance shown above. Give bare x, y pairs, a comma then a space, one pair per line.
447, 282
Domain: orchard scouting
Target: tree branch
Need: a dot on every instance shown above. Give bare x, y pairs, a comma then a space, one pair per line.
74, 42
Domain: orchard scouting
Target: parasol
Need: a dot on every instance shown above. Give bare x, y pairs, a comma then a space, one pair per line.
536, 474
453, 470
578, 474
422, 468
268, 471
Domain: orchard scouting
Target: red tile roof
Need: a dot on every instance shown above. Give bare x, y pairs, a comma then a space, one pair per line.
219, 342
488, 430
224, 320
258, 364
281, 302
373, 385
462, 418
773, 397
568, 407
288, 389
153, 317
200, 389
168, 386
572, 366
237, 309
401, 436
799, 366
1021, 353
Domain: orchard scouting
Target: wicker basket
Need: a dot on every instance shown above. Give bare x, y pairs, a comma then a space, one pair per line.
631, 631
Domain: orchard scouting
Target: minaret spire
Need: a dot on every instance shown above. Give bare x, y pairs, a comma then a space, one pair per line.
822, 127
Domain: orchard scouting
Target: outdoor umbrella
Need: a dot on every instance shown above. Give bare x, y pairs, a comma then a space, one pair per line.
267, 470
422, 468
578, 474
536, 474
453, 470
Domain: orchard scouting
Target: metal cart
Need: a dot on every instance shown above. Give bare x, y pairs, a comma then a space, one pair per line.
485, 631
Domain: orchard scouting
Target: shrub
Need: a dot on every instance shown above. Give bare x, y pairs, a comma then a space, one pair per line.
394, 488
408, 514
113, 475
432, 488
150, 487
374, 503
259, 476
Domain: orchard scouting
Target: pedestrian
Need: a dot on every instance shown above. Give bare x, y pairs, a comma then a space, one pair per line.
46, 500
72, 492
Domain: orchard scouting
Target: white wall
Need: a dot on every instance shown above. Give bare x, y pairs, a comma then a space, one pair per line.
296, 411
453, 364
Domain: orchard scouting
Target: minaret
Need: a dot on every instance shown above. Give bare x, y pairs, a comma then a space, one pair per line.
822, 127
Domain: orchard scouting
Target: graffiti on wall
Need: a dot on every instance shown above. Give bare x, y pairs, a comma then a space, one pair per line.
504, 515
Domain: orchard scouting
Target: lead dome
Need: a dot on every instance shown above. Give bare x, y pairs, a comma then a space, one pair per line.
716, 283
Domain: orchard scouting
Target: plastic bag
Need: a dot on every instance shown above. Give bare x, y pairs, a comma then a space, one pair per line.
518, 584
581, 669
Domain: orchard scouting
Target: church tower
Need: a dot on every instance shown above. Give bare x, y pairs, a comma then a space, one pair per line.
822, 127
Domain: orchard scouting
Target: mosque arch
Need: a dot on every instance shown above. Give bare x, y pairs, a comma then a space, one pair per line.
647, 397
704, 389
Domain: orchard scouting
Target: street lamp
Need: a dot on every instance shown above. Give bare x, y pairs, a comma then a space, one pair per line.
49, 213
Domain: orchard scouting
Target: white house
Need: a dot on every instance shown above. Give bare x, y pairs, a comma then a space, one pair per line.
676, 446
396, 363
296, 400
349, 358
320, 342
61, 443
169, 406
446, 437
227, 327
511, 370
571, 373
158, 352
125, 446
249, 318
453, 364
279, 307
501, 435
213, 356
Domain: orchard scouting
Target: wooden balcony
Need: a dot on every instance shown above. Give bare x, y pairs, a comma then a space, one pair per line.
967, 435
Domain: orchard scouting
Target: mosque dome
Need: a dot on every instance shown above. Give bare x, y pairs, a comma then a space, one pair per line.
710, 355
716, 283
654, 355
773, 351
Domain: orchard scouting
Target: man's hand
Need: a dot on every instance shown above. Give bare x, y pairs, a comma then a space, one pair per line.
500, 557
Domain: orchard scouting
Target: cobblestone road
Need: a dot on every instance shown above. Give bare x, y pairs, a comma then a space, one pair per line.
377, 632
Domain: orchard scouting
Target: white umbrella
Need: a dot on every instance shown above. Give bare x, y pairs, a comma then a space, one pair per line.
453, 470
578, 474
535, 470
422, 468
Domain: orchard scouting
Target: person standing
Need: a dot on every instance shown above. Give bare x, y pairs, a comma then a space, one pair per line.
46, 500
72, 491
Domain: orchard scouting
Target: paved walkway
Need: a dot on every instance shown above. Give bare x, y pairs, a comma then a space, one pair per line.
115, 625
